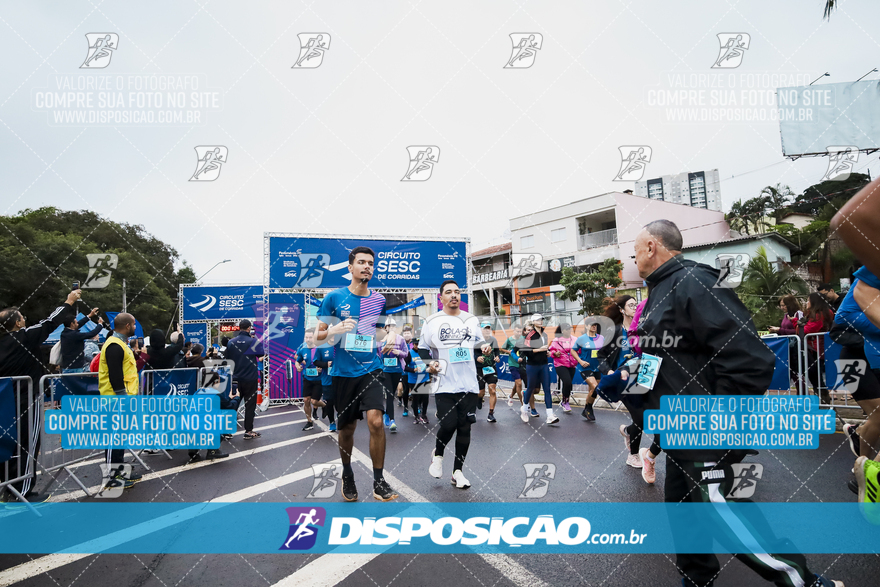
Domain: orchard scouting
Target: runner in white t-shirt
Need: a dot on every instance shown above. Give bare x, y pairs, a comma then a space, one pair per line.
447, 345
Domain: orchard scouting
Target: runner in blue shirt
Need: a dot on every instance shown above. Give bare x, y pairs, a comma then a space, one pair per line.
306, 355
324, 360
586, 351
347, 319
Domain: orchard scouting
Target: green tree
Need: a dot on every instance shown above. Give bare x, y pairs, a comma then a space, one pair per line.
45, 252
588, 288
763, 285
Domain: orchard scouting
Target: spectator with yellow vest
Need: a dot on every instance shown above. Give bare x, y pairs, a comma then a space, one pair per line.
118, 375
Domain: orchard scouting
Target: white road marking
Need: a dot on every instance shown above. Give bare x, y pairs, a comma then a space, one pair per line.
332, 568
191, 467
89, 548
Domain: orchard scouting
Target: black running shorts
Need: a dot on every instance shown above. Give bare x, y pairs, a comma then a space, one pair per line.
312, 389
354, 395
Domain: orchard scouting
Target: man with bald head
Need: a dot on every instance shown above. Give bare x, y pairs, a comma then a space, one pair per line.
118, 375
708, 345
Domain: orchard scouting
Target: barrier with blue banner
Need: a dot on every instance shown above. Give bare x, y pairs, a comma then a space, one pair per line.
73, 384
196, 334
312, 261
8, 422
174, 381
782, 369
228, 303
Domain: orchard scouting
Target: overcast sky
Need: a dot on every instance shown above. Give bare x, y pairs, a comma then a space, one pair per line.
323, 149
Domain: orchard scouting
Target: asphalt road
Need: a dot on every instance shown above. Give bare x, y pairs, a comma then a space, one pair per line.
589, 459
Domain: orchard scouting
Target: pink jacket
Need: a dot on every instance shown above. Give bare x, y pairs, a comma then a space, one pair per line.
634, 340
563, 346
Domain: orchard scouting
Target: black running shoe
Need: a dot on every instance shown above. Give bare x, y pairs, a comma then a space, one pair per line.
215, 454
382, 491
588, 413
852, 435
308, 426
490, 417
349, 490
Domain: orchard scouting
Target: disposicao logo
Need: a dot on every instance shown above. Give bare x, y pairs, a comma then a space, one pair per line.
304, 524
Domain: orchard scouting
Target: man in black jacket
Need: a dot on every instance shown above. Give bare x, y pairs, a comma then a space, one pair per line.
242, 351
708, 346
73, 339
19, 355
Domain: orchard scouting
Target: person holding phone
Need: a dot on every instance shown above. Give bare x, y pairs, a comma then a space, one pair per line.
19, 352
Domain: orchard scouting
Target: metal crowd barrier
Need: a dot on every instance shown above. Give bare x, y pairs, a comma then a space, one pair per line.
783, 369
171, 377
17, 385
54, 458
826, 371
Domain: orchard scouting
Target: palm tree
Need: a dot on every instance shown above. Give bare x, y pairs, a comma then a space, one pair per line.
763, 285
777, 200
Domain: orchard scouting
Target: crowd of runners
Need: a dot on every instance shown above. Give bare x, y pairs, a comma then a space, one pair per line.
454, 359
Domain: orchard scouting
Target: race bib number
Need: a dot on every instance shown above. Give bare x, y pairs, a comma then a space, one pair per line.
312, 372
648, 370
460, 355
594, 355
358, 343
420, 367
488, 370
390, 362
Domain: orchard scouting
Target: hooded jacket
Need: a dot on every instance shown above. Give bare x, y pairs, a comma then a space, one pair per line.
160, 356
719, 352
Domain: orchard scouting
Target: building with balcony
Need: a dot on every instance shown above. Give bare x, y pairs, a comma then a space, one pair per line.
584, 233
490, 288
699, 189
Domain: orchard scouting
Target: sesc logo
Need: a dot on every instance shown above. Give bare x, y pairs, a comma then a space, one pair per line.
303, 531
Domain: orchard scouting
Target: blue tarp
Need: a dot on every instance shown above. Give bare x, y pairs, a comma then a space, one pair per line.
56, 334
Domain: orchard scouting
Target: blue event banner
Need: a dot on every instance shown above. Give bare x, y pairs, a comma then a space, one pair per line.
313, 263
399, 527
196, 334
136, 422
222, 302
739, 422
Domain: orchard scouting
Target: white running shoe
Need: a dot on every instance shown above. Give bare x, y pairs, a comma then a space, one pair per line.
648, 473
634, 461
436, 468
551, 418
524, 414
625, 435
509, 401
459, 481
